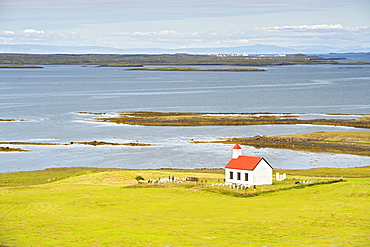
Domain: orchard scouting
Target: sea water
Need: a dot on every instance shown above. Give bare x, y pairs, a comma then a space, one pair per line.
50, 98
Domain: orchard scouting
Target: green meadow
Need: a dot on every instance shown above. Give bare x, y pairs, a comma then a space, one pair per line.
107, 207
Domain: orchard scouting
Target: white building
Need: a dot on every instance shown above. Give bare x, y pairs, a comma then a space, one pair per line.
247, 170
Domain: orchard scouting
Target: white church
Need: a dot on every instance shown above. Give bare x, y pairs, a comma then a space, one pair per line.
247, 170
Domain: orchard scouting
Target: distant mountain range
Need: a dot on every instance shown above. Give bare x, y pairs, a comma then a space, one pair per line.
253, 49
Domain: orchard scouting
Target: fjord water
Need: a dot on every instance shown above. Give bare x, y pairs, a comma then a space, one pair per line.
50, 98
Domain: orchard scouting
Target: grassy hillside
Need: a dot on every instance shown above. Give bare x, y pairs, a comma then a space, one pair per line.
98, 209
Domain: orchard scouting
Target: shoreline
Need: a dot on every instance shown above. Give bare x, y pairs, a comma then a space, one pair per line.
349, 172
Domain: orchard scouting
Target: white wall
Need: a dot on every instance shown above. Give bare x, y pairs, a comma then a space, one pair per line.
262, 173
235, 177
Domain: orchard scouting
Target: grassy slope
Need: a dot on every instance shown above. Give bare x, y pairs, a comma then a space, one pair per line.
95, 210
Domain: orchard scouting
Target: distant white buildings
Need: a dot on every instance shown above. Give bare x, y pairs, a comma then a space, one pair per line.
247, 55
247, 170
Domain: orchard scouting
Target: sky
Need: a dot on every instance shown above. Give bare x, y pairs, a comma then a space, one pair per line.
174, 24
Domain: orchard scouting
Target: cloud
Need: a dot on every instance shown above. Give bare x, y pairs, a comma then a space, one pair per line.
8, 33
151, 33
33, 31
316, 27
312, 27
233, 42
321, 34
32, 36
303, 27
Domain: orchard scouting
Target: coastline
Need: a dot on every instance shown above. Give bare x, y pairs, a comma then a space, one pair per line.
138, 60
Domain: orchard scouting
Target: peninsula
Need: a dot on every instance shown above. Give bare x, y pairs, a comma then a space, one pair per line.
217, 119
356, 143
197, 69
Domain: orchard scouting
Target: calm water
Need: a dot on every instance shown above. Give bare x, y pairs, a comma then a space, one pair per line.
50, 98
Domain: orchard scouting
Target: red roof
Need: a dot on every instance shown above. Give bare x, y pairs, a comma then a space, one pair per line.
237, 146
244, 163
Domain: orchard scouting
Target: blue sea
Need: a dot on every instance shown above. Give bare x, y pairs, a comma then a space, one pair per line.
50, 99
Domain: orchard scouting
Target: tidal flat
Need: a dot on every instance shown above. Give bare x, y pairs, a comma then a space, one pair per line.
356, 143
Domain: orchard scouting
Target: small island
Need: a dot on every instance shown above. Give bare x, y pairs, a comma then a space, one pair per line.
218, 119
92, 143
8, 149
197, 69
19, 66
12, 120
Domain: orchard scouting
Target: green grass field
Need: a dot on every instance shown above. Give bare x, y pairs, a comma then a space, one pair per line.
98, 207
